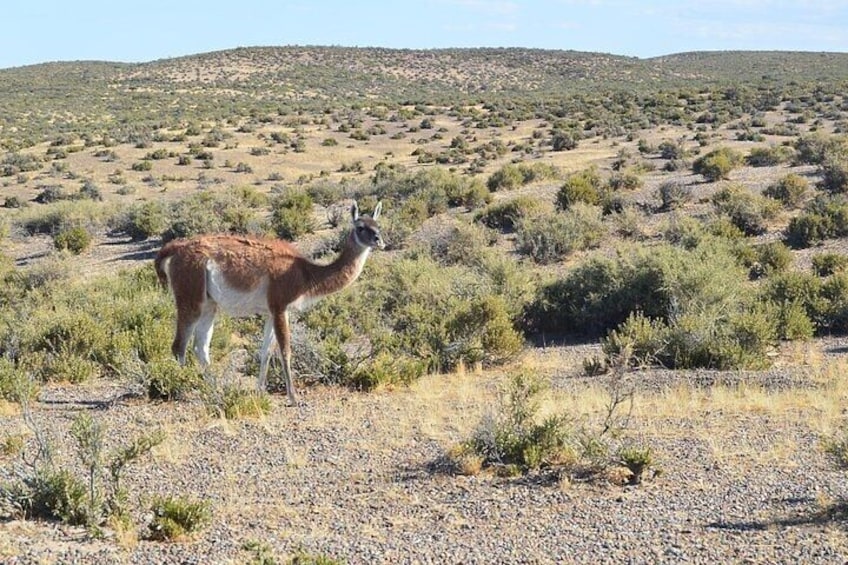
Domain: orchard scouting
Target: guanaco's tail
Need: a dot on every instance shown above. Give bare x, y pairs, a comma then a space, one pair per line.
159, 263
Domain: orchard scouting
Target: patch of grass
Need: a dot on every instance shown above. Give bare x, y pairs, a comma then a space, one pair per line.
235, 403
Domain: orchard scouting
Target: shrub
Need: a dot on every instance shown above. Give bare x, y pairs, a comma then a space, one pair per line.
823, 218
789, 190
144, 220
672, 150
661, 281
142, 166
749, 212
177, 517
75, 239
53, 493
513, 439
585, 186
717, 164
770, 258
834, 171
507, 177
416, 315
506, 215
547, 238
165, 379
769, 156
811, 149
674, 194
826, 264
206, 212
625, 181
564, 140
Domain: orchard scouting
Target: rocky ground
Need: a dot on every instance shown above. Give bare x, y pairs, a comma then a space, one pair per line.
356, 476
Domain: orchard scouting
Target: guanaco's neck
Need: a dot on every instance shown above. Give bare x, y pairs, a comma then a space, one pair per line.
327, 279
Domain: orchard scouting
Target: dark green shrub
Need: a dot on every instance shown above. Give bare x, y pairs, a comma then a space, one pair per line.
807, 230
749, 212
811, 149
506, 215
717, 164
826, 264
548, 238
624, 181
75, 239
773, 257
142, 166
165, 379
823, 218
661, 281
834, 294
834, 171
672, 150
564, 140
674, 194
585, 186
769, 156
177, 517
144, 220
789, 190
507, 177
513, 438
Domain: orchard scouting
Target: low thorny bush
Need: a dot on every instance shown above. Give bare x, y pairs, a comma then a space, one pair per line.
512, 439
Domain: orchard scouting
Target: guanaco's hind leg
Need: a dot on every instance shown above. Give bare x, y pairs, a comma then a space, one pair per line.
281, 328
265, 351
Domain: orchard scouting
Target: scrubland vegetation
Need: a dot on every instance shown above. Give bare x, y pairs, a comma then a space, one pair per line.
676, 225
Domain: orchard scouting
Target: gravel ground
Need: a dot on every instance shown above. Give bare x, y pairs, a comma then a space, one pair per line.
353, 476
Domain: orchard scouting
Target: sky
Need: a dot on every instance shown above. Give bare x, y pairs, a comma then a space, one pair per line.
37, 31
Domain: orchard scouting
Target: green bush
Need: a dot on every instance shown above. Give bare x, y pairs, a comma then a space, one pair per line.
75, 239
749, 212
834, 172
506, 215
547, 238
144, 220
661, 281
418, 315
512, 438
177, 517
826, 264
585, 186
507, 177
769, 156
770, 258
789, 190
205, 212
717, 164
674, 194
823, 218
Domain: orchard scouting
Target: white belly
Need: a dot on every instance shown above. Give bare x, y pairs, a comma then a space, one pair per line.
235, 302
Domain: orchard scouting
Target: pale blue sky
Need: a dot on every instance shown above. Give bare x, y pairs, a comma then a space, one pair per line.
36, 31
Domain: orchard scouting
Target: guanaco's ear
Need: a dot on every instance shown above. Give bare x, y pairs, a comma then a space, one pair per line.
377, 209
354, 211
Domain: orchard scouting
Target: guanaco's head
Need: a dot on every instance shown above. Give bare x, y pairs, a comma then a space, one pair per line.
366, 232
